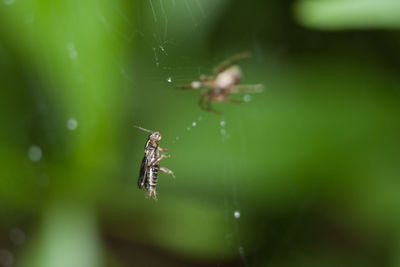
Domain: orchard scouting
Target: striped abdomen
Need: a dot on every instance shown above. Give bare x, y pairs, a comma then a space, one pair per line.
151, 181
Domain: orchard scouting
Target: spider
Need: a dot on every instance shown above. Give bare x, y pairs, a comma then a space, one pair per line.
225, 81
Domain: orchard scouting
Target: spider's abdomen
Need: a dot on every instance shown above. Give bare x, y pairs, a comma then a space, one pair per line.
228, 78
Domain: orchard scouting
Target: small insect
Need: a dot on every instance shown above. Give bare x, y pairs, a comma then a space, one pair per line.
225, 81
153, 154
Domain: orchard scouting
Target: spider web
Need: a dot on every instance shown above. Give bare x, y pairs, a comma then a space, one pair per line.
244, 179
153, 30
159, 45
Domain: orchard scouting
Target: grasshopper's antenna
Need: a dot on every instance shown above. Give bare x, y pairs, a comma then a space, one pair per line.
143, 129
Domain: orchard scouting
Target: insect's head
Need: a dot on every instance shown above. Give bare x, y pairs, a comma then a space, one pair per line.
155, 137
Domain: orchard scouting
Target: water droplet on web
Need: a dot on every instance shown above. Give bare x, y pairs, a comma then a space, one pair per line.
155, 56
17, 236
188, 128
72, 124
236, 214
222, 123
169, 79
200, 118
194, 124
177, 138
223, 131
163, 49
8, 2
247, 98
34, 153
6, 258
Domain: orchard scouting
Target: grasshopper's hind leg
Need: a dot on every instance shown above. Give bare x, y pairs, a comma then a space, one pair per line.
151, 193
167, 171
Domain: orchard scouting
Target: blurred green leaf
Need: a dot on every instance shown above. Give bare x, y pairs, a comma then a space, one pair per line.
348, 14
68, 237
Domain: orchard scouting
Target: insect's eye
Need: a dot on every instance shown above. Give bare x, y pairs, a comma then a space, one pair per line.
155, 136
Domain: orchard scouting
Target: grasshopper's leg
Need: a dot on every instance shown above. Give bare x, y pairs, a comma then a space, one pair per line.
159, 159
167, 171
163, 149
152, 193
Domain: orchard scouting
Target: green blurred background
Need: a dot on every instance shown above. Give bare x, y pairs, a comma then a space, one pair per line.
305, 174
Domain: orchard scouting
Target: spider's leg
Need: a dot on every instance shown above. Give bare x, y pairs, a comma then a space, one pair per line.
192, 85
232, 101
230, 61
204, 78
210, 108
203, 95
205, 103
167, 171
183, 87
255, 88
